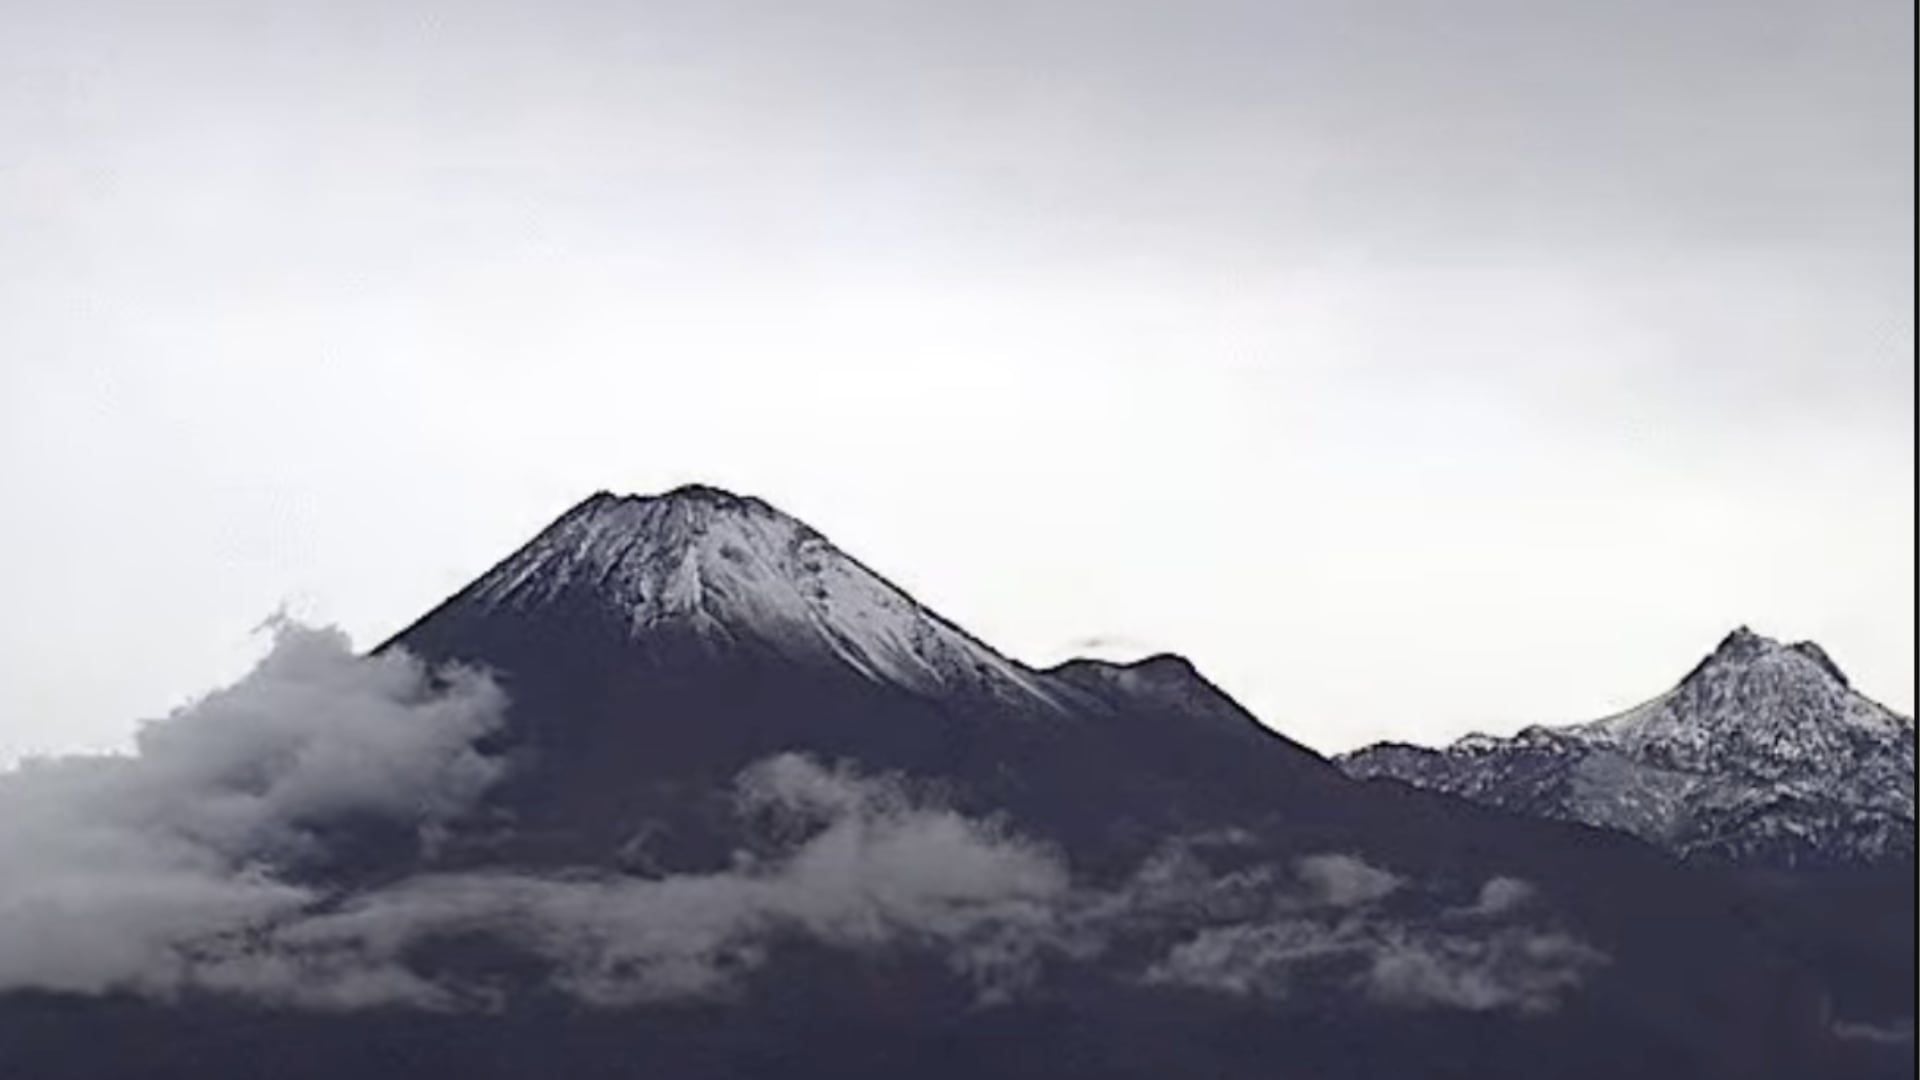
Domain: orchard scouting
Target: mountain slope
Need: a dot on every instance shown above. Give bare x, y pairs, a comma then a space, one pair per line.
655, 646
1762, 755
725, 572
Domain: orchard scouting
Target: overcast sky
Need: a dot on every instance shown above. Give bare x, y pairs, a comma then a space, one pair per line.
1415, 367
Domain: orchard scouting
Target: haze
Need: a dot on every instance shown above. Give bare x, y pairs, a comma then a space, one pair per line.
1415, 368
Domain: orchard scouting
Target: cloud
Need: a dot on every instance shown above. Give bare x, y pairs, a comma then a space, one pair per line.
1176, 885
1499, 896
111, 866
1332, 931
1514, 967
179, 867
1897, 1033
1253, 958
1343, 880
880, 870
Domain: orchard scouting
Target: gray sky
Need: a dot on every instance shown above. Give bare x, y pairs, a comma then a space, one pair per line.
1414, 367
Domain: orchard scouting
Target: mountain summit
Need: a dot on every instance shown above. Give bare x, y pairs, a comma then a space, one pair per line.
1770, 711
1764, 753
704, 567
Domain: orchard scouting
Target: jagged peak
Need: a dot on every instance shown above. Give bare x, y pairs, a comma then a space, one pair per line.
1753, 698
1745, 648
1743, 643
1762, 747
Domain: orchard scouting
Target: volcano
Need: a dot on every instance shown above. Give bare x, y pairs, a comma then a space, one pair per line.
655, 646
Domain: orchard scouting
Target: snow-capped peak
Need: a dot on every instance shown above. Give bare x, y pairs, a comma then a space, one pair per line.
1763, 752
1754, 703
733, 569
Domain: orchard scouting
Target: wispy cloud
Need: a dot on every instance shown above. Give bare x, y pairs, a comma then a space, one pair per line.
878, 869
179, 866
1896, 1033
1329, 928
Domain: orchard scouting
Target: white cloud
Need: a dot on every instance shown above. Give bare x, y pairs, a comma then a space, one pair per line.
1513, 967
1252, 958
176, 866
1896, 1033
1332, 933
1343, 880
111, 866
1498, 896
880, 871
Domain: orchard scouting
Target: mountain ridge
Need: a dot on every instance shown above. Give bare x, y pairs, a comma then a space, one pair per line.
1763, 753
733, 766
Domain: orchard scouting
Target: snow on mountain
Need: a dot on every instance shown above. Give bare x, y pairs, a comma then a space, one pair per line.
653, 646
1763, 754
733, 570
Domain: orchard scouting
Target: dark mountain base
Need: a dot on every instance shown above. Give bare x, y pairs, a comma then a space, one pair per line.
1148, 1037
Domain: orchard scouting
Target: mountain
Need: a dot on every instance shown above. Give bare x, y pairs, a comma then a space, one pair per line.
1763, 755
752, 811
655, 646
711, 573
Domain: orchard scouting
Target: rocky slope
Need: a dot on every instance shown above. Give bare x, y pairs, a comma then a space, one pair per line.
1763, 755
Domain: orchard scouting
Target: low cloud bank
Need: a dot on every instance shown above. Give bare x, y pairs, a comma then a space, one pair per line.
110, 865
177, 867
1328, 928
877, 870
184, 867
